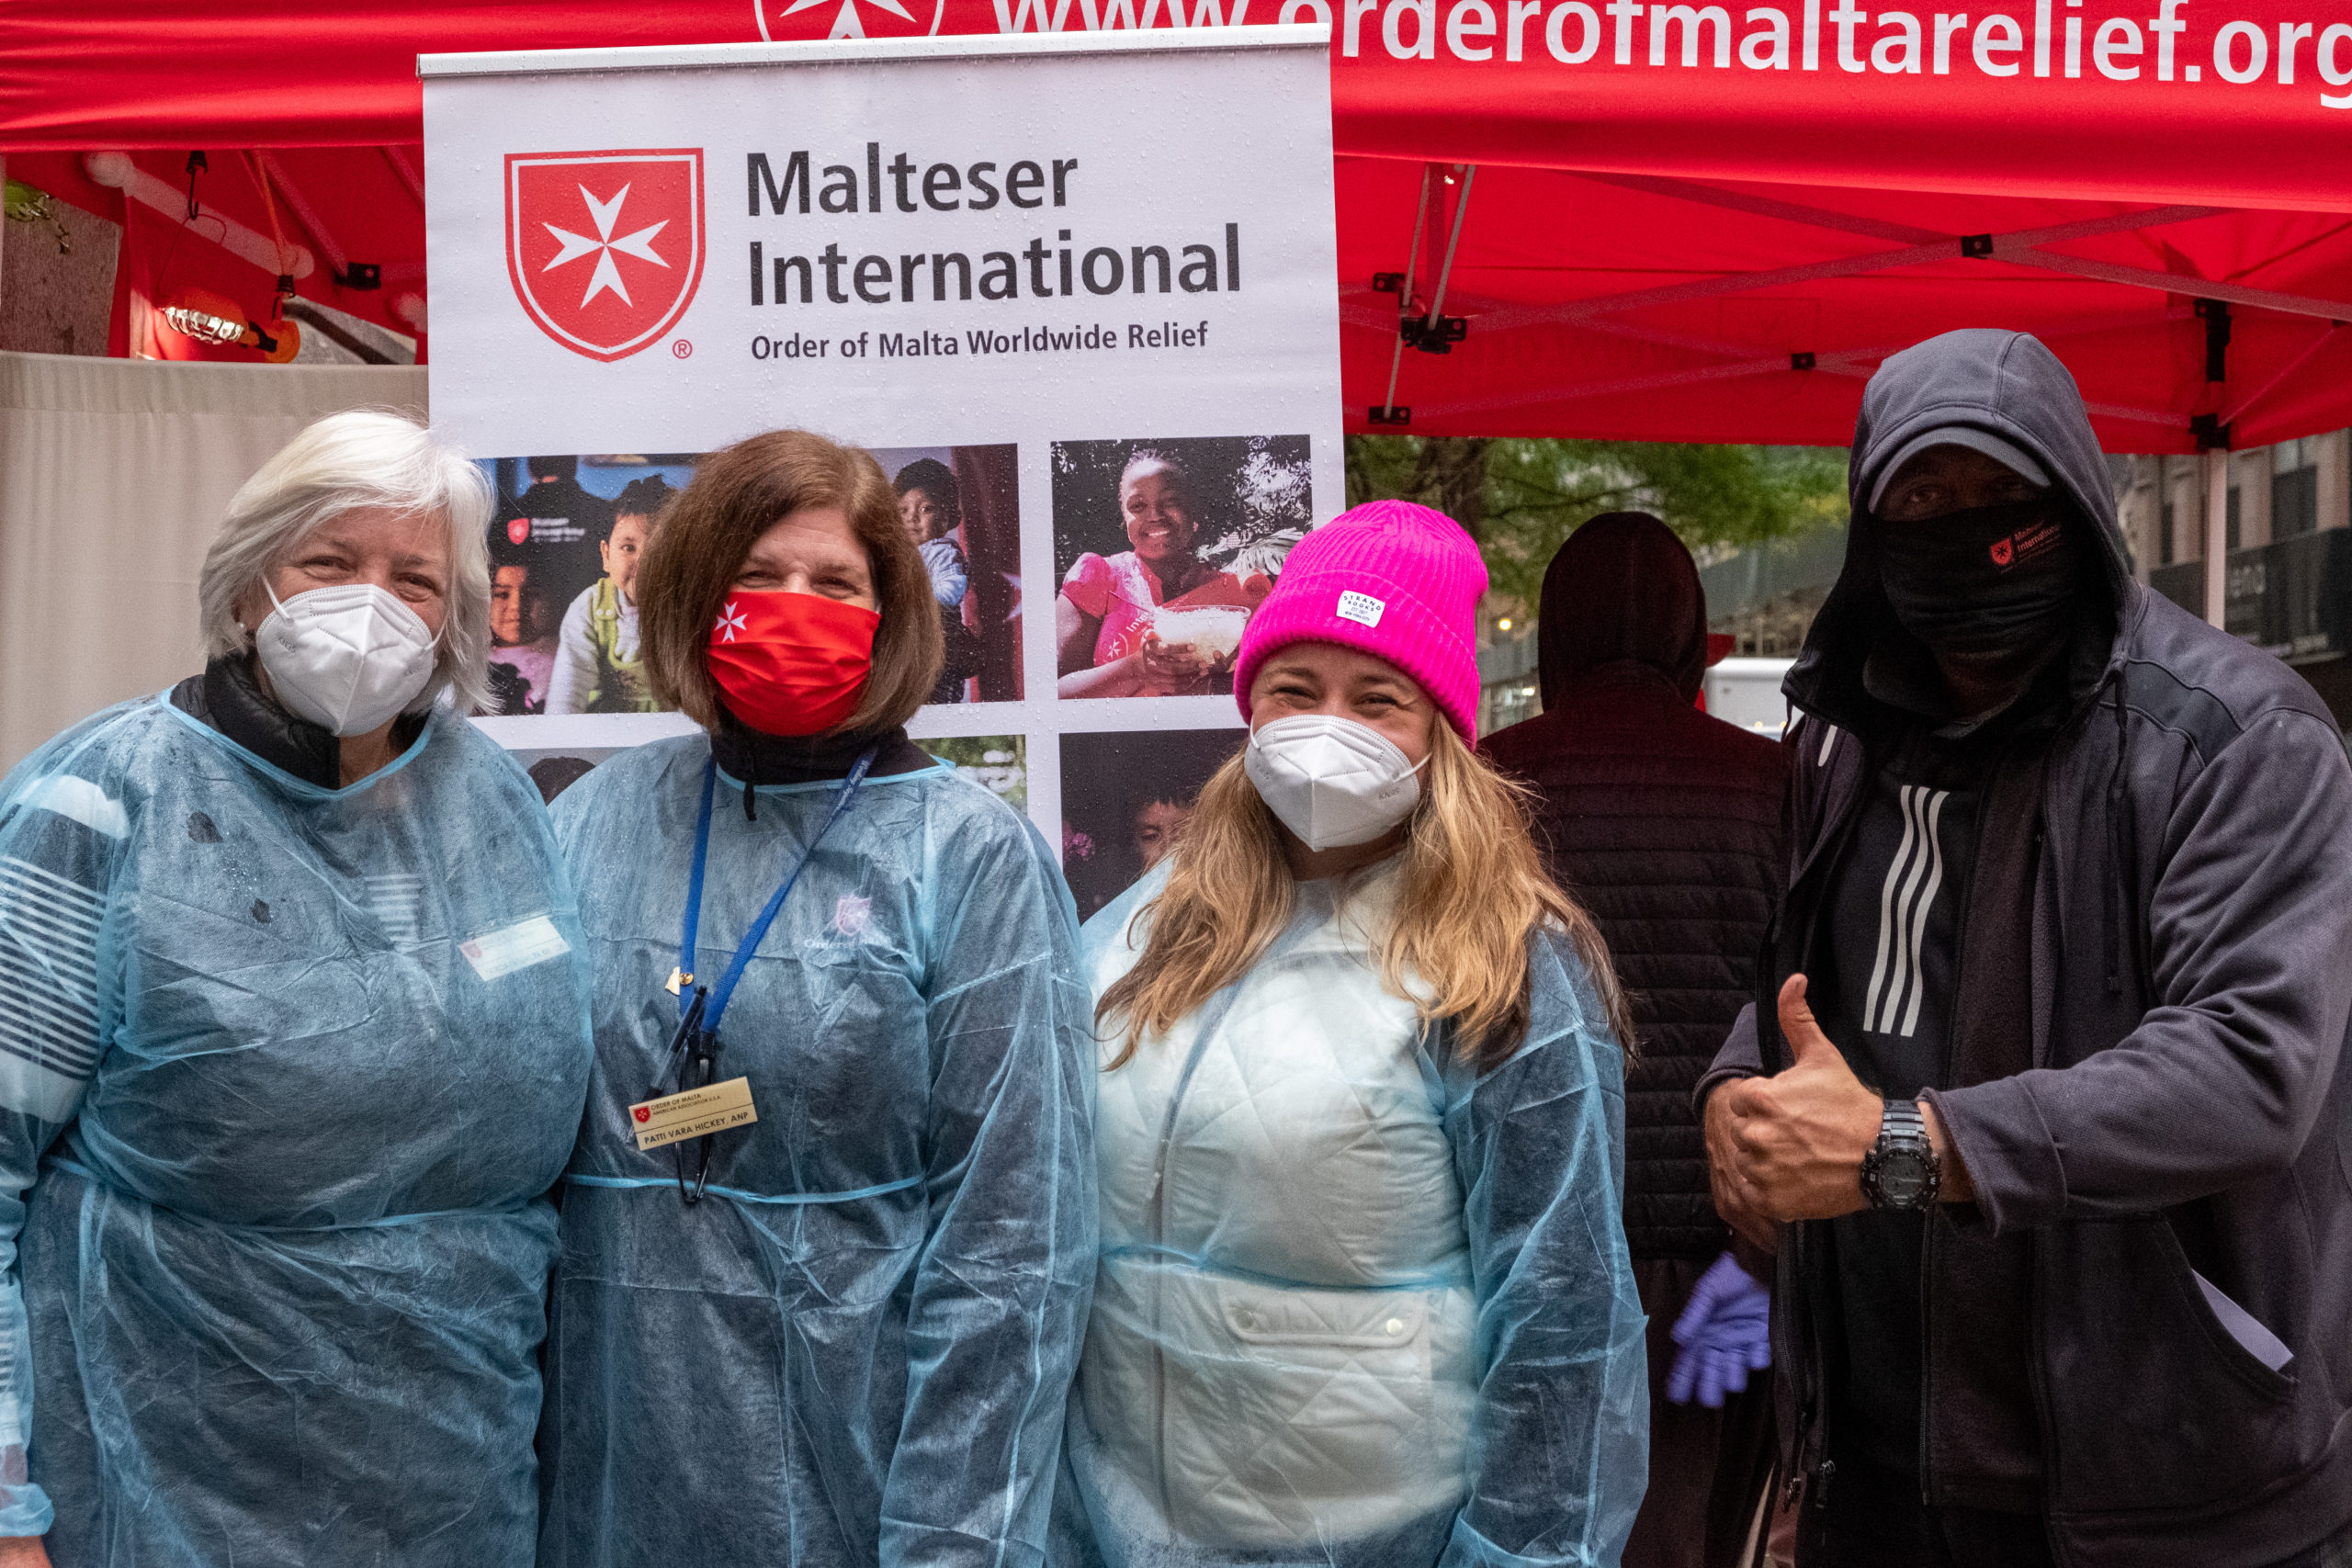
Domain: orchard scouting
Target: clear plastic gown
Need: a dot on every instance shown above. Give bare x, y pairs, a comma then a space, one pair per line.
857, 1348
1358, 1305
287, 1074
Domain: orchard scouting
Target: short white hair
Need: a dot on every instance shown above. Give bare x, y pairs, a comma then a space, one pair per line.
361, 457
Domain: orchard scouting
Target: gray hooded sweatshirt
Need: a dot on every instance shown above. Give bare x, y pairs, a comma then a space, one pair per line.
2155, 1112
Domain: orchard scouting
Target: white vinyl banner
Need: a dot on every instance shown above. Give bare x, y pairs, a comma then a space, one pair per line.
1076, 293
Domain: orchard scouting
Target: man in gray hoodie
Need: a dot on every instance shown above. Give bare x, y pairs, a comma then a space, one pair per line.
2043, 1090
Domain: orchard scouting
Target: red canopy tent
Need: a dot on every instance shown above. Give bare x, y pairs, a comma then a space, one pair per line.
1592, 216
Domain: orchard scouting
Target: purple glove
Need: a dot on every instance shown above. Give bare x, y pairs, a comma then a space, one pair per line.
1725, 1334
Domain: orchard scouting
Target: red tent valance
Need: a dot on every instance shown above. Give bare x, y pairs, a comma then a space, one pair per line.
1686, 222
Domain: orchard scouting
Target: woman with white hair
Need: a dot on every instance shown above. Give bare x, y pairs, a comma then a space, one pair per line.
293, 1042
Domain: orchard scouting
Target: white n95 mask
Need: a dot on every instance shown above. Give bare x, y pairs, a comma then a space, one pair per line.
346, 657
1331, 781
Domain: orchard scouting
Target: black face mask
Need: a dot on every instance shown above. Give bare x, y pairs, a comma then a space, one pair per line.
1993, 586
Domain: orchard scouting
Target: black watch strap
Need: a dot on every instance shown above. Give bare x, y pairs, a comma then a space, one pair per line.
1901, 1171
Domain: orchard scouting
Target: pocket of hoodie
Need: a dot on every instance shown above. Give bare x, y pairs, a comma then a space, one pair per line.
2154, 1402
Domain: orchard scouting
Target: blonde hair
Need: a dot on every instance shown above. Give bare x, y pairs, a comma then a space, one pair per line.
1473, 891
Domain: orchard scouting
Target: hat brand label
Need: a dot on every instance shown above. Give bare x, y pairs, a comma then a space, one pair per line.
1361, 608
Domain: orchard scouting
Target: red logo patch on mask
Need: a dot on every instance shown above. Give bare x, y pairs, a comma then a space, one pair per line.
605, 248
791, 663
2003, 551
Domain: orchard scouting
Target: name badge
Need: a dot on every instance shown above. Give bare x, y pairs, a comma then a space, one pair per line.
697, 1113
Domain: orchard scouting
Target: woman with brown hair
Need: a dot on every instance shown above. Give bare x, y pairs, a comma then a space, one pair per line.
1363, 1299
828, 1229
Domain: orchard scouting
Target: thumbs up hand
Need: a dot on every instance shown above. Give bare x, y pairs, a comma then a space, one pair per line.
1806, 1042
1791, 1147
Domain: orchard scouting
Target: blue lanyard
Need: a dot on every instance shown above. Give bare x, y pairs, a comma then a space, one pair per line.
715, 1004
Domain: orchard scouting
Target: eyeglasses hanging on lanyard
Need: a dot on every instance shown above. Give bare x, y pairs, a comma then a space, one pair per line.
693, 1057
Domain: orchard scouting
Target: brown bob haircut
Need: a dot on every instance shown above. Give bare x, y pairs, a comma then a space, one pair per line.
704, 535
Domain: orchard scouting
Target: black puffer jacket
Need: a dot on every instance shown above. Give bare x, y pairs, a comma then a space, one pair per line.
1665, 824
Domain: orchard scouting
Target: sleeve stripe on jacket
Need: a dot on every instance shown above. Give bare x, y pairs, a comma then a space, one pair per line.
49, 1026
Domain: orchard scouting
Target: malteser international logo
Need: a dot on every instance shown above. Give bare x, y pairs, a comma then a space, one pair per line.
605, 248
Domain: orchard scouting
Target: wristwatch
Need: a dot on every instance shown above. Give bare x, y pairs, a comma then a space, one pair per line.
1901, 1171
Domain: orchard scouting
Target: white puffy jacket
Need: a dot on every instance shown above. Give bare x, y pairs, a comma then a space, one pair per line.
1360, 1304
1283, 1319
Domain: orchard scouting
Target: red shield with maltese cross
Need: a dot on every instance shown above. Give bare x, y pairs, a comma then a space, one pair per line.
783, 20
605, 248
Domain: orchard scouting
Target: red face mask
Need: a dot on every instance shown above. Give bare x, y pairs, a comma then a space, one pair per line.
791, 663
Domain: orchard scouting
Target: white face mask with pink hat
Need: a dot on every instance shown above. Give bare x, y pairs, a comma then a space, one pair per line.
1331, 781
1393, 580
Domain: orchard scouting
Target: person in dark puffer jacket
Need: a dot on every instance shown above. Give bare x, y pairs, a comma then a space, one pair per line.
1666, 824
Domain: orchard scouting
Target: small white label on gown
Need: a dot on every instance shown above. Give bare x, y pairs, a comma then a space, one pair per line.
496, 954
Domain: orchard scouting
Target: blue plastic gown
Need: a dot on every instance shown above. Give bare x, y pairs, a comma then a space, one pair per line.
857, 1348
289, 1073
1358, 1305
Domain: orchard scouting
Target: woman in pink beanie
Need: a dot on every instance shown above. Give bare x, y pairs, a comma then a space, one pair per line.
1363, 1298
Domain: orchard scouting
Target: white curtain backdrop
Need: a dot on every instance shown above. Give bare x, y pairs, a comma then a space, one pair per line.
113, 476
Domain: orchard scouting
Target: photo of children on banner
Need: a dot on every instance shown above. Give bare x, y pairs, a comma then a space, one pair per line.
931, 505
521, 622
564, 544
1205, 523
1125, 797
962, 507
597, 665
570, 532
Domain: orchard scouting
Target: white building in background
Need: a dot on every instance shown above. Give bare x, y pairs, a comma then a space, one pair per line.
2288, 530
2275, 492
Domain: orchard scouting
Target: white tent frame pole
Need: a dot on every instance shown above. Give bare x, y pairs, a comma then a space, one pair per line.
1404, 295
2173, 283
1454, 241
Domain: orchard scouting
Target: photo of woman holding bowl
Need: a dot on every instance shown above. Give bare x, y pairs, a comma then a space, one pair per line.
1205, 524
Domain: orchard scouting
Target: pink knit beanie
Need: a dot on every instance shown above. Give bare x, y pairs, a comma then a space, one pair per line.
1394, 579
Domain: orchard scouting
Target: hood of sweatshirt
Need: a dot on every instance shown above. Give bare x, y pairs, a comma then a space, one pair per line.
2007, 385
1622, 593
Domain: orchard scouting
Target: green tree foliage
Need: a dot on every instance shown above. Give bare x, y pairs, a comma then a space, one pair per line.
1521, 498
